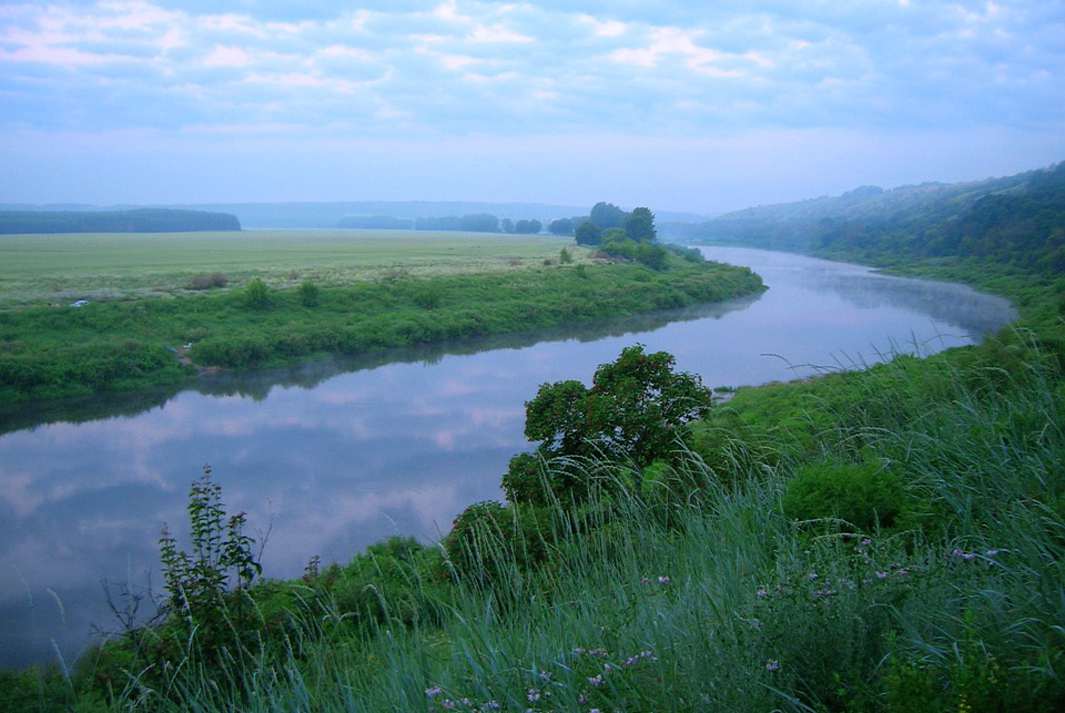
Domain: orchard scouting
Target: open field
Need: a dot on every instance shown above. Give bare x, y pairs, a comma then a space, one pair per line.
121, 265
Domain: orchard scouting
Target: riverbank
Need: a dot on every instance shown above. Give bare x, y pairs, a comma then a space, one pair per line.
889, 539
50, 351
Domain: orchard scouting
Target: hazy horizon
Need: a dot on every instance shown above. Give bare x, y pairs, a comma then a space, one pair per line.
680, 107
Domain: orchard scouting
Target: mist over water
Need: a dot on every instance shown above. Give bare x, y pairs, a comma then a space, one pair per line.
332, 457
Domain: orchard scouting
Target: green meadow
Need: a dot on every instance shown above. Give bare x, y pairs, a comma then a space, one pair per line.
123, 265
160, 307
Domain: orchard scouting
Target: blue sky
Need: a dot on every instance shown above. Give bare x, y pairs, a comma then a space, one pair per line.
701, 106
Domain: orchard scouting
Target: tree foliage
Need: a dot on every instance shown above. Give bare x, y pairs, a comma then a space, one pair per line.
607, 215
640, 226
588, 233
636, 408
562, 226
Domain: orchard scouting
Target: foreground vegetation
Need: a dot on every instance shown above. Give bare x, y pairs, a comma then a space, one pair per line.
889, 540
885, 540
48, 351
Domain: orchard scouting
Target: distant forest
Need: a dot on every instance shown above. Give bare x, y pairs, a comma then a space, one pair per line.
142, 220
1017, 220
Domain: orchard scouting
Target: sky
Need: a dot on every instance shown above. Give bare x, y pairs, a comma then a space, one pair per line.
698, 106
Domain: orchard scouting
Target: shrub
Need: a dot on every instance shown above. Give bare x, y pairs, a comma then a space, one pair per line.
863, 495
309, 294
428, 296
208, 281
257, 294
564, 257
582, 271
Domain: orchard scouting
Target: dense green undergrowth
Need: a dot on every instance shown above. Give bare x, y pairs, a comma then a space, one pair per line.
48, 351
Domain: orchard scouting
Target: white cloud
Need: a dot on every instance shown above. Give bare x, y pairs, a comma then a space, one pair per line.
222, 56
497, 34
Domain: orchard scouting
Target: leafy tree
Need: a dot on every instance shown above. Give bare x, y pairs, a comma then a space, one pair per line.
636, 408
506, 225
588, 233
562, 226
640, 225
607, 215
528, 227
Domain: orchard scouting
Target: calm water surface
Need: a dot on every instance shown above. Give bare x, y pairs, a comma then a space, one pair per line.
333, 457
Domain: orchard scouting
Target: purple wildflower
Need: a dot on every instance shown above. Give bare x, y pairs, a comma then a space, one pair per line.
434, 691
880, 574
447, 704
812, 576
533, 695
866, 542
596, 680
663, 579
772, 665
761, 593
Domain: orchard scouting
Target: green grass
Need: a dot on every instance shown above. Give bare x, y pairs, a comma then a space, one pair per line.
107, 266
760, 612
50, 351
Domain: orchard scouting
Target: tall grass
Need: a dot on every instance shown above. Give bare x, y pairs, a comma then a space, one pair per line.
698, 593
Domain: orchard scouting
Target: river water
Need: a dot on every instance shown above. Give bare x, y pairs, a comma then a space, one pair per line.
330, 457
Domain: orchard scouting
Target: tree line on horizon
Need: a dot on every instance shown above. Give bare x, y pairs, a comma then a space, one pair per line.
139, 220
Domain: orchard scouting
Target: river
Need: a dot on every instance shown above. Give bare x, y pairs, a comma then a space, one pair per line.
330, 457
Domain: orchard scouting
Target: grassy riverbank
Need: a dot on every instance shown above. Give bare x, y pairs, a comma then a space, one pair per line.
120, 345
887, 540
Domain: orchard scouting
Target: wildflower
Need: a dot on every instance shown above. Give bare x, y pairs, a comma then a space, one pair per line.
812, 576
492, 705
902, 572
533, 695
545, 675
756, 624
596, 680
772, 665
433, 692
466, 702
645, 580
594, 710
582, 699
578, 651
647, 654
663, 579
761, 593
608, 667
632, 660
880, 574
866, 542
447, 704
992, 552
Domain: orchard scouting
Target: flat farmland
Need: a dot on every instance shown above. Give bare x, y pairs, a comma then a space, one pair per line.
36, 268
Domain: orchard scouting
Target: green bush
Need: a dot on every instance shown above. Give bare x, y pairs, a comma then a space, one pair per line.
564, 257
309, 294
257, 294
863, 495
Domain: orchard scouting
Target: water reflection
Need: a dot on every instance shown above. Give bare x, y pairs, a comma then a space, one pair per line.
339, 454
